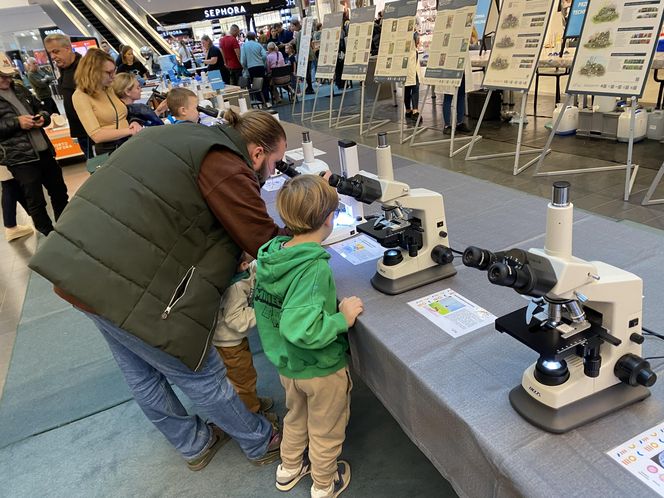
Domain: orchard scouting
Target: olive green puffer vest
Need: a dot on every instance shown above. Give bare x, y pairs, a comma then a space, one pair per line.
140, 246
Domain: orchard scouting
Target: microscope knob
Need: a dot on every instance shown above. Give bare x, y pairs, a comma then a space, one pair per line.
442, 255
581, 297
632, 370
637, 338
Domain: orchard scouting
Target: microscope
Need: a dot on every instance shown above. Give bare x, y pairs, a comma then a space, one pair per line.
583, 320
411, 226
310, 165
350, 211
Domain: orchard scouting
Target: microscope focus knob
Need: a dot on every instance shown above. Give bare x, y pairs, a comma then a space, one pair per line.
634, 370
442, 255
581, 297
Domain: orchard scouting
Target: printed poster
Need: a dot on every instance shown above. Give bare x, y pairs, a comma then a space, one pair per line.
305, 46
449, 47
452, 312
617, 44
329, 46
518, 42
396, 41
358, 44
643, 457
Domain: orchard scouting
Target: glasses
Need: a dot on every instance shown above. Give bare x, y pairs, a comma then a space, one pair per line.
110, 73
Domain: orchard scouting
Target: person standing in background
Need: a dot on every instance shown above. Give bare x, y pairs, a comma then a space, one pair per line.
130, 64
252, 57
62, 54
213, 58
411, 90
230, 52
41, 84
186, 57
106, 47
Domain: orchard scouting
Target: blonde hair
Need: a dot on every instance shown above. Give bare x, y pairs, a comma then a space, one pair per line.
178, 97
124, 51
257, 127
59, 38
123, 82
89, 71
305, 202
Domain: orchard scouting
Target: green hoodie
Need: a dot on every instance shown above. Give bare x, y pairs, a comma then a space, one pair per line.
295, 300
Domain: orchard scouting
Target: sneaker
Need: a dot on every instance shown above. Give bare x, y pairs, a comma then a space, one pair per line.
463, 128
219, 438
272, 453
266, 403
340, 483
447, 130
409, 114
309, 91
17, 232
272, 417
287, 480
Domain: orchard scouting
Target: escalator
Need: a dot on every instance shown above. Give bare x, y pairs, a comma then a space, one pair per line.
154, 43
96, 23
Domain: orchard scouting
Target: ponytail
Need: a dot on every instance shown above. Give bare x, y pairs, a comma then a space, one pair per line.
257, 127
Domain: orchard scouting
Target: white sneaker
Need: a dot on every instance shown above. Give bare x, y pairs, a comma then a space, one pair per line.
287, 479
340, 483
18, 231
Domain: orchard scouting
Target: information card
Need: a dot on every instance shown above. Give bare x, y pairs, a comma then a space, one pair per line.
358, 44
617, 44
449, 47
329, 46
396, 41
452, 312
516, 50
359, 249
643, 456
305, 46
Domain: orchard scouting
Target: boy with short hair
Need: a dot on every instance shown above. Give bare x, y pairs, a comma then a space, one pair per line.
236, 317
183, 105
303, 335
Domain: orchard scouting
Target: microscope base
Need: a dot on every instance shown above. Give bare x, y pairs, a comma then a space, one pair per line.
578, 413
397, 286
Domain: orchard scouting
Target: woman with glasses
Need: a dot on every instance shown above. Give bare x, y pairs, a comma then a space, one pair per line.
101, 112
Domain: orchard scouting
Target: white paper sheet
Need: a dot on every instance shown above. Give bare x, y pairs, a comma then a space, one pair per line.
274, 183
298, 154
643, 456
359, 249
452, 312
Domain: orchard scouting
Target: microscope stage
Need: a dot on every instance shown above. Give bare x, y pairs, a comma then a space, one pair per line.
549, 343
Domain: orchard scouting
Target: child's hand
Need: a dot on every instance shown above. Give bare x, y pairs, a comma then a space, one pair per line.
351, 307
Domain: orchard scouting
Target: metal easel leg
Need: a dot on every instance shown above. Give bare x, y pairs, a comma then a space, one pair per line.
477, 127
648, 200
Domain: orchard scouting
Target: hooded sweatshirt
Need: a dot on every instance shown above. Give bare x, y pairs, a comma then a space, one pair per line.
295, 301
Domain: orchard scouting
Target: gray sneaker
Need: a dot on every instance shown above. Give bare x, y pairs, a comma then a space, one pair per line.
286, 484
273, 448
219, 438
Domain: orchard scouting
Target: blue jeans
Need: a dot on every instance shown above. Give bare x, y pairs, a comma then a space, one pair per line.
461, 105
148, 371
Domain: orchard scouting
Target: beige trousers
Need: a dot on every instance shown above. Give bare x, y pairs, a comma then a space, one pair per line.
318, 412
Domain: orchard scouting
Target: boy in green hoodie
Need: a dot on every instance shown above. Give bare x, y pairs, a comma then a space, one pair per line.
303, 334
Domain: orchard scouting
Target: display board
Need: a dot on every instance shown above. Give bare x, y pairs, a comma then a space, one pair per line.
481, 16
305, 47
449, 46
617, 44
358, 44
577, 14
329, 46
516, 50
396, 41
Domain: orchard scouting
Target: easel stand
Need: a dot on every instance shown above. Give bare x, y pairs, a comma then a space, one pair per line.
300, 84
317, 117
454, 123
341, 122
630, 176
518, 152
648, 200
403, 128
372, 126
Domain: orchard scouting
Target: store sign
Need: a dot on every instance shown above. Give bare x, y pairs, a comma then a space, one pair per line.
235, 10
176, 32
51, 30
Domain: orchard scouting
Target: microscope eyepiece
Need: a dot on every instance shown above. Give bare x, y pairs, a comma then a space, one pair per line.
359, 187
476, 257
520, 279
287, 169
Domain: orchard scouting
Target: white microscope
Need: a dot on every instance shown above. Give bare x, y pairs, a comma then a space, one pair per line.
584, 320
350, 211
412, 226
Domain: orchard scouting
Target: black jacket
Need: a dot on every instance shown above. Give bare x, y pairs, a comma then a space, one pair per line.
15, 145
67, 87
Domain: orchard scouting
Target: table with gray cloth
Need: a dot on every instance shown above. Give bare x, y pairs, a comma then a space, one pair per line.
451, 395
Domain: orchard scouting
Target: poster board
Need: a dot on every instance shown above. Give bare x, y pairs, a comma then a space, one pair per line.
616, 48
305, 47
519, 38
396, 41
577, 14
329, 46
358, 44
449, 46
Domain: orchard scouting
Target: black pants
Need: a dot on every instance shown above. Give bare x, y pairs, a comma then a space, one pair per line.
11, 194
235, 76
32, 176
310, 86
86, 146
411, 94
259, 72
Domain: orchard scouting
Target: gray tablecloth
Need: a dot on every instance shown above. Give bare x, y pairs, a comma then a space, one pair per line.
451, 395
